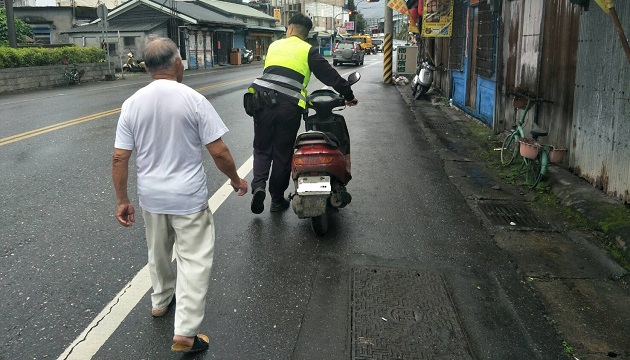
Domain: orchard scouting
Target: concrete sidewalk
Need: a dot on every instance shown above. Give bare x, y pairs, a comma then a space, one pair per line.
567, 263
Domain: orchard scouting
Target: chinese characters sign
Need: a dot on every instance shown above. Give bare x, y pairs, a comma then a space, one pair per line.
406, 59
437, 18
398, 5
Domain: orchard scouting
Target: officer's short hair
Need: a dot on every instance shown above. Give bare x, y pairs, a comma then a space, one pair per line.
302, 21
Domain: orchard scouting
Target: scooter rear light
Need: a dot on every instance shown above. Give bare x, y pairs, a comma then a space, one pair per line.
312, 159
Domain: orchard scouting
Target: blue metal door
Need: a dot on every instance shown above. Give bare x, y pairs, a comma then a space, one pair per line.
474, 86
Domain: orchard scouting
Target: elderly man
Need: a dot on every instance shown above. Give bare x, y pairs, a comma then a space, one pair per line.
168, 124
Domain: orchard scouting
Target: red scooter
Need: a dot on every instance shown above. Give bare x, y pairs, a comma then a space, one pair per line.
320, 167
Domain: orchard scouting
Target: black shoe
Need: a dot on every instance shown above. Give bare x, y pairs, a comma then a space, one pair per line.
277, 206
258, 200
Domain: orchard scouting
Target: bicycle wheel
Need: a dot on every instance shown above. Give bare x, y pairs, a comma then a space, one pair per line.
73, 77
62, 80
532, 172
509, 149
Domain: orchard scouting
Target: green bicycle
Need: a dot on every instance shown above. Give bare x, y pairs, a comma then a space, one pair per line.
537, 157
510, 147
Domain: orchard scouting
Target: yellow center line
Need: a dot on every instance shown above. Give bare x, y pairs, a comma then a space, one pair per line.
46, 129
226, 83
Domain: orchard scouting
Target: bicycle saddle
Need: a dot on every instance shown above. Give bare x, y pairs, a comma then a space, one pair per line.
537, 131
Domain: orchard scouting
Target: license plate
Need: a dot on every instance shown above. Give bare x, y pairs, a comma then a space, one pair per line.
314, 185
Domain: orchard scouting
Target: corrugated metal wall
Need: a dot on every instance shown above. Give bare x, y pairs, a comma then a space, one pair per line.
521, 46
600, 149
539, 49
557, 70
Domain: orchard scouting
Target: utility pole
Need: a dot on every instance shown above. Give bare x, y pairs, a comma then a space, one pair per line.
388, 45
10, 23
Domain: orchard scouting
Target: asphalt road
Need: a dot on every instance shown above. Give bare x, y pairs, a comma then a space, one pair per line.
278, 291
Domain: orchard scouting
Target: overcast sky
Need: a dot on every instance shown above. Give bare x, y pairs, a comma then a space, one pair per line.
372, 10
369, 10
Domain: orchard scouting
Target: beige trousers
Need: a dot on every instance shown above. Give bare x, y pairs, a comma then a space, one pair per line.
191, 237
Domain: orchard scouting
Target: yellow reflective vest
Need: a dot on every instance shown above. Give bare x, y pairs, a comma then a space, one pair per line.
290, 53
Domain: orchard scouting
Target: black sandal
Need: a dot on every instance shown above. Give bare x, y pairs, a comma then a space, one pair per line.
200, 343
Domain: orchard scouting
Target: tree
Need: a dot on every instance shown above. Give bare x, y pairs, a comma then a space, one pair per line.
22, 29
360, 25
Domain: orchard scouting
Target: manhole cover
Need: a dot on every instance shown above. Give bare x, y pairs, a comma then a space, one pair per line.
510, 214
403, 314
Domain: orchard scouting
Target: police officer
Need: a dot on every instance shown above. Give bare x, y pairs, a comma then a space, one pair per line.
282, 90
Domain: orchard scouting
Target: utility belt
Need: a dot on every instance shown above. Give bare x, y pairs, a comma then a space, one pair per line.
273, 85
256, 101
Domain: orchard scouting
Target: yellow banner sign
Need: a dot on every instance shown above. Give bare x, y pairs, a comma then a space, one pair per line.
398, 5
437, 18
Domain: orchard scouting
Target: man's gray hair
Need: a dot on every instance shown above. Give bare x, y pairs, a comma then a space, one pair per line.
160, 54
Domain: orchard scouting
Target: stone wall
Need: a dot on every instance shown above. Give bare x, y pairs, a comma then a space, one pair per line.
28, 78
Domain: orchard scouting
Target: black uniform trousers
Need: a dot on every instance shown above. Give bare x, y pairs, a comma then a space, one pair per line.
275, 129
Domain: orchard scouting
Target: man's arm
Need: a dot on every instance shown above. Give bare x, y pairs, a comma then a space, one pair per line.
329, 76
120, 172
225, 163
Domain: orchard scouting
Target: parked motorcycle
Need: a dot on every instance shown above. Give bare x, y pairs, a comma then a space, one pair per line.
320, 167
423, 79
132, 64
247, 56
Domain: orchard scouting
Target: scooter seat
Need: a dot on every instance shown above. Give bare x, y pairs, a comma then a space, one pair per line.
537, 131
316, 137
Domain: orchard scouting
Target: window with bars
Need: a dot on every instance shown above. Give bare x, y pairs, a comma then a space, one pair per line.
129, 41
458, 37
486, 41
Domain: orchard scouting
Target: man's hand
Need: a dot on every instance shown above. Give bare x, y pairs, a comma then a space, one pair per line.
352, 102
125, 214
240, 187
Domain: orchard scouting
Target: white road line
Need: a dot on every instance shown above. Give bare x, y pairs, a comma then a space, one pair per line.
103, 326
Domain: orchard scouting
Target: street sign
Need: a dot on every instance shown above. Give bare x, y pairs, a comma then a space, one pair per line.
406, 60
101, 12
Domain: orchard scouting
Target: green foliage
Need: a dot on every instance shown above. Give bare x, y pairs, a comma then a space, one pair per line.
618, 256
568, 349
26, 57
615, 218
22, 29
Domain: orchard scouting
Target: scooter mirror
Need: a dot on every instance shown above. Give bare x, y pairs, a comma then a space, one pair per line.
354, 77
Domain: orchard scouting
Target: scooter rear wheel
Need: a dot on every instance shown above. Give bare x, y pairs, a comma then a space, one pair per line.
319, 224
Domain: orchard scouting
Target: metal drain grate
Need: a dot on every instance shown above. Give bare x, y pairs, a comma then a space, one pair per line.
510, 214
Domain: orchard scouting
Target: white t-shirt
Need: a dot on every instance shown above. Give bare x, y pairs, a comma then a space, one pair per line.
169, 124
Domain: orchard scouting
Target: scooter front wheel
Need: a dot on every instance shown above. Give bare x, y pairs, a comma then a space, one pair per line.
421, 90
320, 224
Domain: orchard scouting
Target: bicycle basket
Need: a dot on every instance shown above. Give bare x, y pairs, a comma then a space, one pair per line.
519, 103
529, 148
556, 155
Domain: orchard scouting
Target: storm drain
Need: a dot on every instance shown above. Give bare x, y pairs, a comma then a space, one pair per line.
403, 314
510, 214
